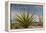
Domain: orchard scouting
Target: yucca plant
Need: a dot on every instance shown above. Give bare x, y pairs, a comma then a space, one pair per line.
25, 20
12, 26
40, 21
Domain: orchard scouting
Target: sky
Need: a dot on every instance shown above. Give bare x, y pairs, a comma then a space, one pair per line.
32, 9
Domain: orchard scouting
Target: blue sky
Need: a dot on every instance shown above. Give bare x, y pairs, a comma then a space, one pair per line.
37, 10
34, 9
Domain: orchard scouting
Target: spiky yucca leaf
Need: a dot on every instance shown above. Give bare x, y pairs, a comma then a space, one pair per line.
25, 20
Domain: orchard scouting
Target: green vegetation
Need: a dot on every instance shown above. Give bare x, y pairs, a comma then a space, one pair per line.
40, 21
24, 20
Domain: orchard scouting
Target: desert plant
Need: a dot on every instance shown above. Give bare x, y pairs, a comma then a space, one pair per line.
12, 26
25, 20
40, 21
